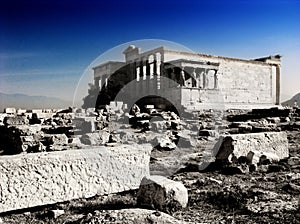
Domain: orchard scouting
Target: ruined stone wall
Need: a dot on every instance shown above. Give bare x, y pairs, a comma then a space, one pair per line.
245, 82
239, 81
29, 180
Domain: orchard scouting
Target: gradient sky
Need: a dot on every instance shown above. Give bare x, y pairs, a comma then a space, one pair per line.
45, 46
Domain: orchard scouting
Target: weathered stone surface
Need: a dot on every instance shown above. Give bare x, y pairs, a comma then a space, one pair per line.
56, 213
267, 201
85, 124
130, 216
57, 139
16, 120
293, 161
161, 193
159, 125
163, 142
97, 138
20, 138
275, 120
260, 113
25, 129
39, 147
273, 206
185, 140
29, 180
253, 147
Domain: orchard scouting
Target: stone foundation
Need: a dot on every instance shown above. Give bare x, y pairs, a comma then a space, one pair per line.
29, 180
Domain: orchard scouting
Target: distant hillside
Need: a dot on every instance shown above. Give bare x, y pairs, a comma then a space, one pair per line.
291, 102
31, 102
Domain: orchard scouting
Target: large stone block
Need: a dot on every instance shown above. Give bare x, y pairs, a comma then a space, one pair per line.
158, 192
253, 147
56, 139
29, 180
16, 120
97, 138
25, 129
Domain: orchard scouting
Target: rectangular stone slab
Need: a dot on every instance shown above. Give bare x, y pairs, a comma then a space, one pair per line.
273, 145
30, 180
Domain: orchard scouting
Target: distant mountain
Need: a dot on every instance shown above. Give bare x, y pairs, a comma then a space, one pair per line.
292, 101
31, 102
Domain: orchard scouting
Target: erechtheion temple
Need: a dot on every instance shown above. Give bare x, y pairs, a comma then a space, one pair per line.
187, 80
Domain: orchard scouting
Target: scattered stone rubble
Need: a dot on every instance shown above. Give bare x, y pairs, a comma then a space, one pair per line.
73, 128
260, 120
54, 130
246, 141
247, 151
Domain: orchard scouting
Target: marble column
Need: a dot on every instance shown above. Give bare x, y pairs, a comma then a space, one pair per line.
200, 78
205, 78
154, 81
277, 84
182, 77
194, 75
148, 77
216, 85
100, 83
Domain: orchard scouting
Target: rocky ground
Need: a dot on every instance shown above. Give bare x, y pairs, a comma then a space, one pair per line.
268, 194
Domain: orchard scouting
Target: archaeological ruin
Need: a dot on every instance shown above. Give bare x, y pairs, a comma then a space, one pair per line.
186, 80
166, 137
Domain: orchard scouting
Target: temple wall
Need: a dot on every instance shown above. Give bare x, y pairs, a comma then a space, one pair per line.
239, 81
242, 82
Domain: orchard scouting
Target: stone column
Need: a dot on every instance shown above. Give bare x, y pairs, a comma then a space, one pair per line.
140, 75
160, 71
148, 77
216, 80
200, 78
277, 84
147, 69
160, 68
155, 66
205, 78
136, 74
100, 83
195, 79
106, 82
182, 77
155, 81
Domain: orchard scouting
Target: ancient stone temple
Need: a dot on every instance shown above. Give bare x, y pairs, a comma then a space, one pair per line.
186, 80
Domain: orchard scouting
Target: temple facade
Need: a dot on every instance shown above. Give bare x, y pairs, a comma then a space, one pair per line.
187, 80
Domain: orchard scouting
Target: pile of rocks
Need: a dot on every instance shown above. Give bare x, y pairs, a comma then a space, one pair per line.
64, 129
263, 120
154, 120
17, 136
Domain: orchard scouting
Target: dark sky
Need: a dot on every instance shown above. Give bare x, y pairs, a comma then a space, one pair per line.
46, 45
